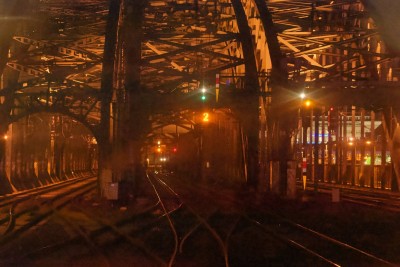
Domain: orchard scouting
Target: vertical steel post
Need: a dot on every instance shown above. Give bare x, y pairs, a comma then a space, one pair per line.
330, 141
383, 174
135, 121
344, 176
339, 144
316, 150
323, 125
363, 143
106, 90
354, 179
372, 149
310, 145
251, 122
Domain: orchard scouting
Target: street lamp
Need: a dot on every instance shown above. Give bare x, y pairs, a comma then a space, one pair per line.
308, 105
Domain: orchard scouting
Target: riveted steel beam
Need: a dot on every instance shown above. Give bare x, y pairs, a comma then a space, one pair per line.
55, 59
248, 49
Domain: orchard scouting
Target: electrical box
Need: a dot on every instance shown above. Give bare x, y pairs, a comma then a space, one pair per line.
111, 191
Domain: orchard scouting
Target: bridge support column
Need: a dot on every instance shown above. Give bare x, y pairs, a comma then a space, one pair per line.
264, 146
104, 137
316, 173
5, 184
392, 135
291, 179
275, 177
284, 117
121, 137
135, 114
12, 10
251, 143
252, 88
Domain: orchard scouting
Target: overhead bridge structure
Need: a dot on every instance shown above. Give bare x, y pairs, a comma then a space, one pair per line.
255, 91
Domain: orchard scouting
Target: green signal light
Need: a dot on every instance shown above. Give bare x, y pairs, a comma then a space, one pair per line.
203, 97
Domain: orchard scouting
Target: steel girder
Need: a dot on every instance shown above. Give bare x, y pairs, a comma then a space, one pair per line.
186, 43
320, 45
9, 15
59, 60
340, 53
327, 45
56, 58
63, 62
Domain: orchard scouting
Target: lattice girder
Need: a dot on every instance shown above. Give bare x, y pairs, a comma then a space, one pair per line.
56, 58
188, 43
330, 41
185, 45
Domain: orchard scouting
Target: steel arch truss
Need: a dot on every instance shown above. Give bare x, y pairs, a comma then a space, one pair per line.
55, 61
325, 41
168, 127
186, 43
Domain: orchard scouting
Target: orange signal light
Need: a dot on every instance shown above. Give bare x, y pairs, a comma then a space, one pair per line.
206, 117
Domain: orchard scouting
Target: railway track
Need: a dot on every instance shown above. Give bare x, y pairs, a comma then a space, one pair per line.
168, 219
180, 224
30, 208
321, 248
313, 248
199, 221
97, 235
374, 198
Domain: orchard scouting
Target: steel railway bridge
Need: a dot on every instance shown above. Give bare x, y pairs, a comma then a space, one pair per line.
255, 91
